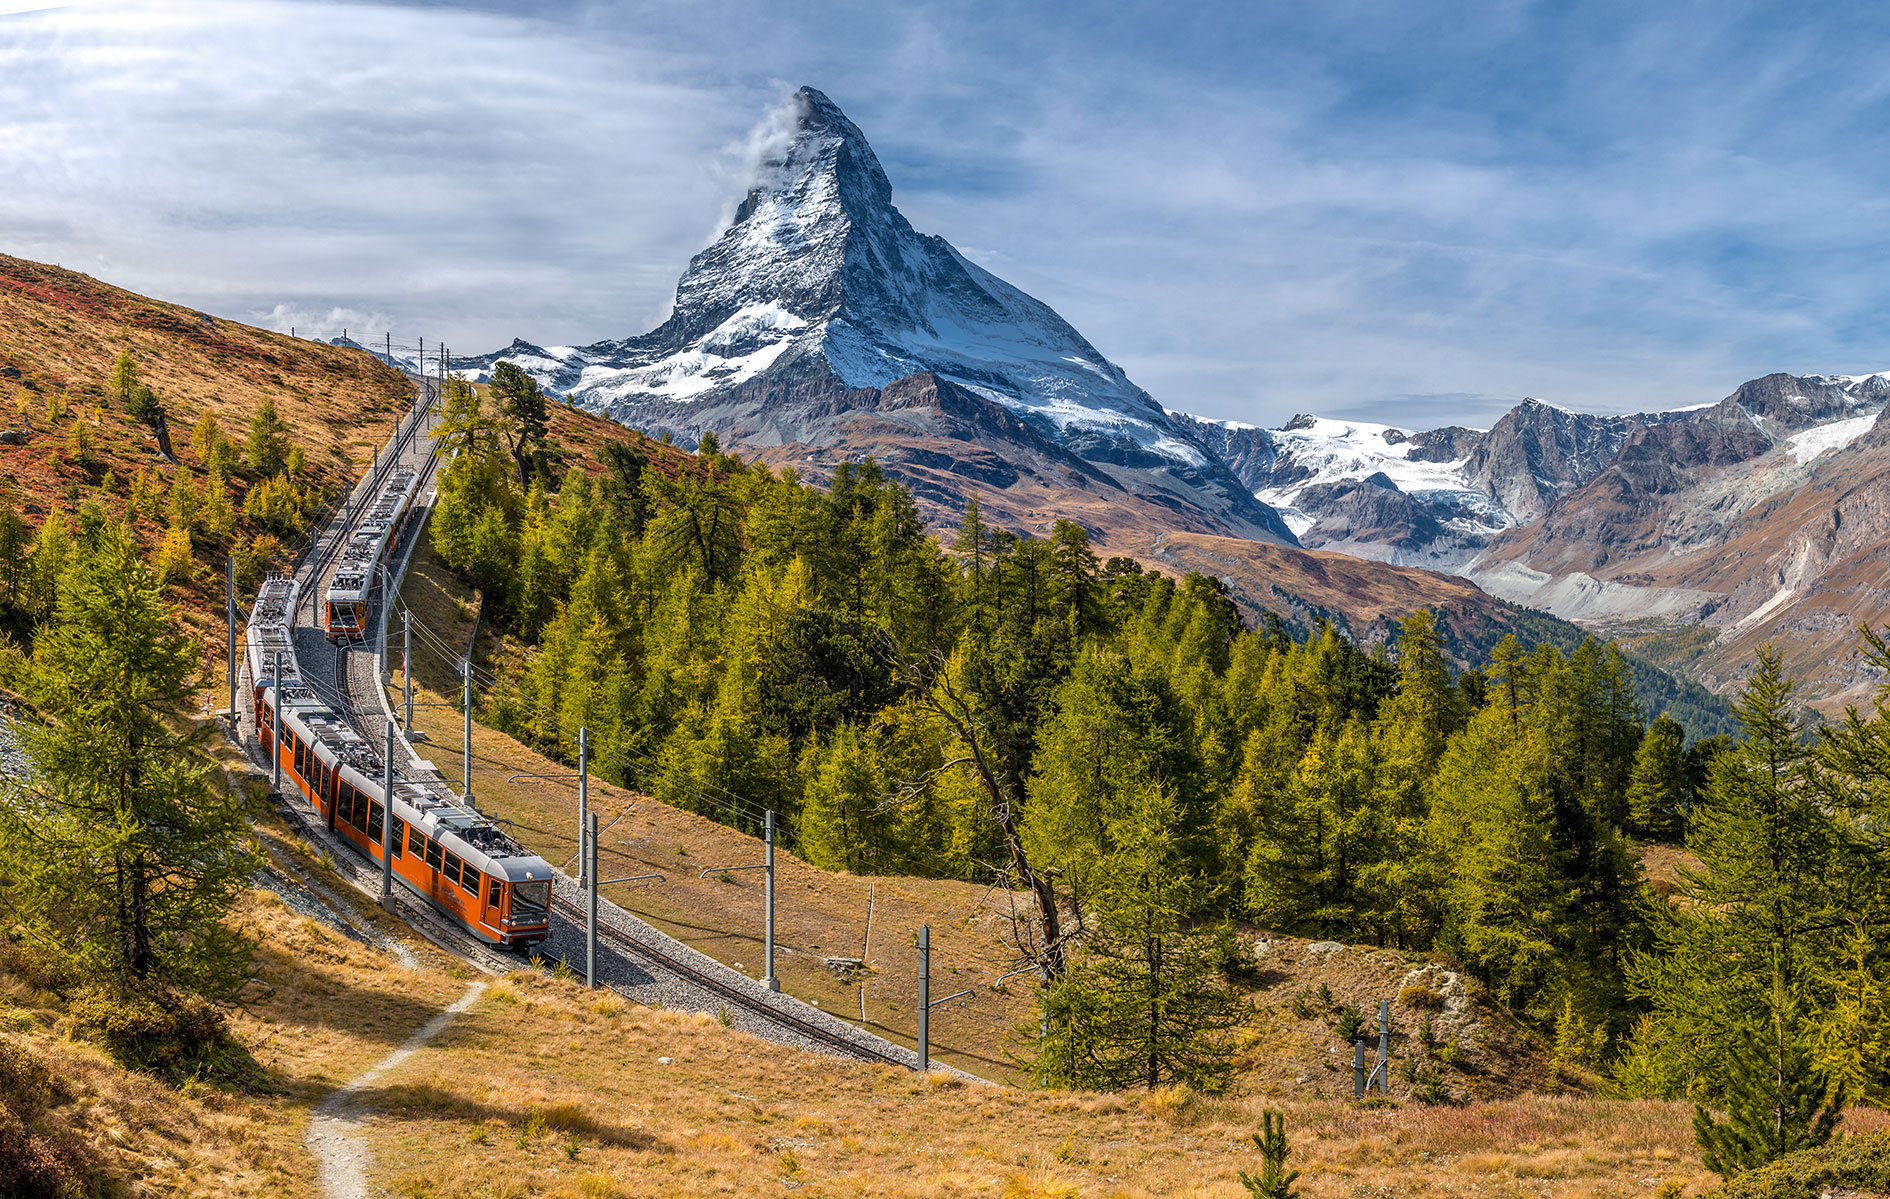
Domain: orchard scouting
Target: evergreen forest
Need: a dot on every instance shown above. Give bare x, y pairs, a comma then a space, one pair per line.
1145, 768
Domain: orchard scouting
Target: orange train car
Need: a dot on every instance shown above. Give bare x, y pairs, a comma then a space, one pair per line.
457, 860
345, 606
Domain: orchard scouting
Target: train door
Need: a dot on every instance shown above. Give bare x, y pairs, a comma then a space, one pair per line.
495, 903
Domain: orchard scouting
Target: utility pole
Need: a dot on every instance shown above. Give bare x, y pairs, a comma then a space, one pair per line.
466, 667
767, 833
229, 599
925, 997
390, 349
387, 822
406, 664
584, 799
275, 733
590, 901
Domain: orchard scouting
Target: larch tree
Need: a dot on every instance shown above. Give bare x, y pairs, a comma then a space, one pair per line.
1743, 952
124, 857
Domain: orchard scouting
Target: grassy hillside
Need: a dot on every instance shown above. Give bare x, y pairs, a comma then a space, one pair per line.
544, 1089
60, 333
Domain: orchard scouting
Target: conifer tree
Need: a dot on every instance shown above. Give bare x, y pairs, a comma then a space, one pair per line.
125, 859
1777, 1099
1659, 791
124, 378
1145, 1003
1750, 937
268, 444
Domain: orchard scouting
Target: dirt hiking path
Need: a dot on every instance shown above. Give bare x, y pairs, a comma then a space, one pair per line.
341, 1157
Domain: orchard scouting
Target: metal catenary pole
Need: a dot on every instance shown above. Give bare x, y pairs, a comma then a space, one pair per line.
925, 997
406, 665
229, 599
767, 832
387, 822
584, 799
1358, 1069
1384, 1046
590, 902
466, 669
275, 723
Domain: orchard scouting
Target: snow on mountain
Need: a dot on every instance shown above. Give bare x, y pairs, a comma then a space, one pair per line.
820, 273
820, 293
1837, 434
1322, 452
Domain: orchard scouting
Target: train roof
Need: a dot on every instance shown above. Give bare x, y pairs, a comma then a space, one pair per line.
427, 805
358, 558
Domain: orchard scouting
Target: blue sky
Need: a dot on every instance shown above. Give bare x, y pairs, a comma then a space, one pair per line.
1415, 213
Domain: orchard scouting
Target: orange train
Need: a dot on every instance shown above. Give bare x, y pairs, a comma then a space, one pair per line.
345, 607
451, 856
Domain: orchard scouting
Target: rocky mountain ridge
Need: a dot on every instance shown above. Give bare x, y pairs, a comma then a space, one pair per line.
820, 300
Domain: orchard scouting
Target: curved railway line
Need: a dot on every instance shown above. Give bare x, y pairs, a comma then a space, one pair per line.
641, 957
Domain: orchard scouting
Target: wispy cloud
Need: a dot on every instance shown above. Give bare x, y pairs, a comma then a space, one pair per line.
1365, 207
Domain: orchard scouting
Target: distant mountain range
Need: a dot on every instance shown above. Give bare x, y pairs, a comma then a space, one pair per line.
820, 327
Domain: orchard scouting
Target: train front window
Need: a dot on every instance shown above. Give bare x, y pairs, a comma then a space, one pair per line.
531, 902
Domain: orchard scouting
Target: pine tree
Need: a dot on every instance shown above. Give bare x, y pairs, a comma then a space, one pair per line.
125, 859
124, 378
1659, 793
174, 564
1145, 1003
1752, 936
268, 444
1274, 1181
1777, 1099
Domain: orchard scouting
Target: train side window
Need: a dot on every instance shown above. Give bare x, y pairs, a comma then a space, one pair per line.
495, 893
433, 854
416, 844
469, 881
344, 803
301, 755
374, 822
399, 839
452, 868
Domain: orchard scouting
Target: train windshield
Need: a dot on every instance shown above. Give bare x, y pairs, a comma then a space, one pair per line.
531, 902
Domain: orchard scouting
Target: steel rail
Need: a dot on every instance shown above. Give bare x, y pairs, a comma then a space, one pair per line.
709, 982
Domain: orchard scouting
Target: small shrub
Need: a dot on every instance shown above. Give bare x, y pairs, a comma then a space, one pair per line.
562, 970
1302, 1005
788, 1163
1325, 997
1452, 1055
1417, 995
172, 1034
1426, 1034
723, 1016
1274, 1182
1430, 1089
1349, 1023
572, 1148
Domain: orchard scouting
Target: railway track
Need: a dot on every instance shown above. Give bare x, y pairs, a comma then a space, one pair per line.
754, 1005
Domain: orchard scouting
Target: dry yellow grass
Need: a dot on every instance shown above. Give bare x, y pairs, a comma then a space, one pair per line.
539, 1090
323, 1009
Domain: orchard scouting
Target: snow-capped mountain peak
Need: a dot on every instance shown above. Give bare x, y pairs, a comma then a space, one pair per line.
820, 285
